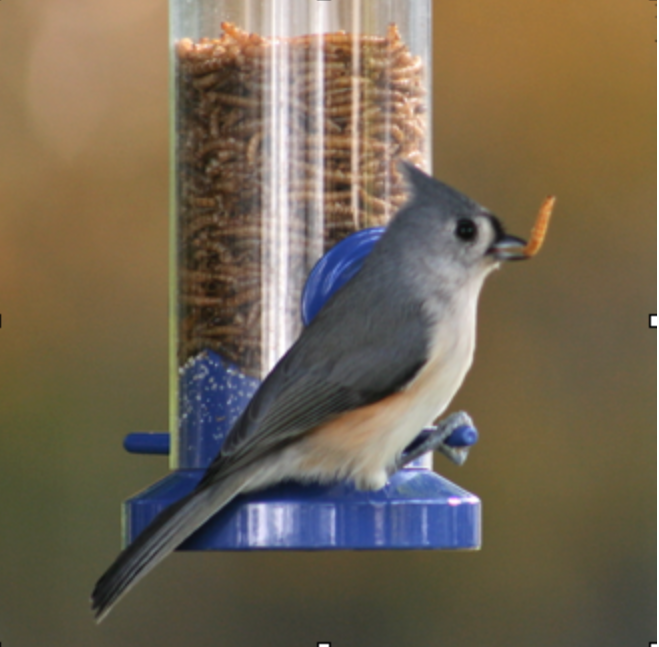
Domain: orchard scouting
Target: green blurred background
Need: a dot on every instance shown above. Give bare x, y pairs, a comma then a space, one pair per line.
529, 98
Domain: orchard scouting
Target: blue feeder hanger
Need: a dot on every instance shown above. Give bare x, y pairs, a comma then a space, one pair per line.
417, 509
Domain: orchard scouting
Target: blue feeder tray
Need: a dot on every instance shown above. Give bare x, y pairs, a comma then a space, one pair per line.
417, 509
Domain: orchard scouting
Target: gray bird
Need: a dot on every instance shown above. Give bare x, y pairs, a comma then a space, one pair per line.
381, 361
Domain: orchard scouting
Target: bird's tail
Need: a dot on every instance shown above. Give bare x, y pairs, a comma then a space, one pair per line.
167, 531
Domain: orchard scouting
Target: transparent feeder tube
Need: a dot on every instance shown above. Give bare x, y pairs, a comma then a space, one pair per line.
289, 120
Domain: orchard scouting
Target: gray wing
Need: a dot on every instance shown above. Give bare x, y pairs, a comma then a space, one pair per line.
359, 349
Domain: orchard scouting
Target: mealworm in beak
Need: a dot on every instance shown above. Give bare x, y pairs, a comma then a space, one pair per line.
539, 230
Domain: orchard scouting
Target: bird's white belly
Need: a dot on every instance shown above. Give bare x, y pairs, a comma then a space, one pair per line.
361, 444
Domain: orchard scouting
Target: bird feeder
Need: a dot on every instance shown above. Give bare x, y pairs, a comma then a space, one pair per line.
289, 120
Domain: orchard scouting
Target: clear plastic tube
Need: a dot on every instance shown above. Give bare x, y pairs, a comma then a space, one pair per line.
289, 119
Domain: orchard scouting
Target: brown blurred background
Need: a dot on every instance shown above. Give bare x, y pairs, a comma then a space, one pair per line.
529, 98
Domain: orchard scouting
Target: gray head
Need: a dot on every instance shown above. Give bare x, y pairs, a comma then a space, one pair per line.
452, 236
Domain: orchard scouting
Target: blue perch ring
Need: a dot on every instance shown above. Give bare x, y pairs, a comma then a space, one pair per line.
335, 269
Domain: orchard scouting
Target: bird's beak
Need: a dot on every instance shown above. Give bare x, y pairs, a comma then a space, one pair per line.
509, 248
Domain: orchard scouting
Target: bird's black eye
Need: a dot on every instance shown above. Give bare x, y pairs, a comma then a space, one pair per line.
466, 230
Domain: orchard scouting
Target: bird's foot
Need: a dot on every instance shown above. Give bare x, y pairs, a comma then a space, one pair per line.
451, 437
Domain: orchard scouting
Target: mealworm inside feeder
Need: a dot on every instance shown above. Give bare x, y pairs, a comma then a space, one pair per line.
344, 122
539, 230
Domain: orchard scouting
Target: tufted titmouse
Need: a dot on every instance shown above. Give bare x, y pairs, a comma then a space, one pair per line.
382, 360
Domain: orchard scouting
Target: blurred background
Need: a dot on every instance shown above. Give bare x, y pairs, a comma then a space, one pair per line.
529, 99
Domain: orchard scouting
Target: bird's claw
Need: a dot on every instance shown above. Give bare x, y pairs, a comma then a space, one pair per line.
451, 437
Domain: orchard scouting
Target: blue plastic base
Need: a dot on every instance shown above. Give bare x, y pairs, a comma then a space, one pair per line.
417, 509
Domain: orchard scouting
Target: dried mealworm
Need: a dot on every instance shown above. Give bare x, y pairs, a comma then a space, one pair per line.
240, 102
372, 201
198, 50
184, 47
201, 301
203, 67
198, 276
252, 147
215, 123
352, 81
242, 231
234, 32
207, 81
233, 117
408, 71
413, 128
224, 331
202, 202
246, 296
224, 145
199, 223
342, 109
393, 33
539, 230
